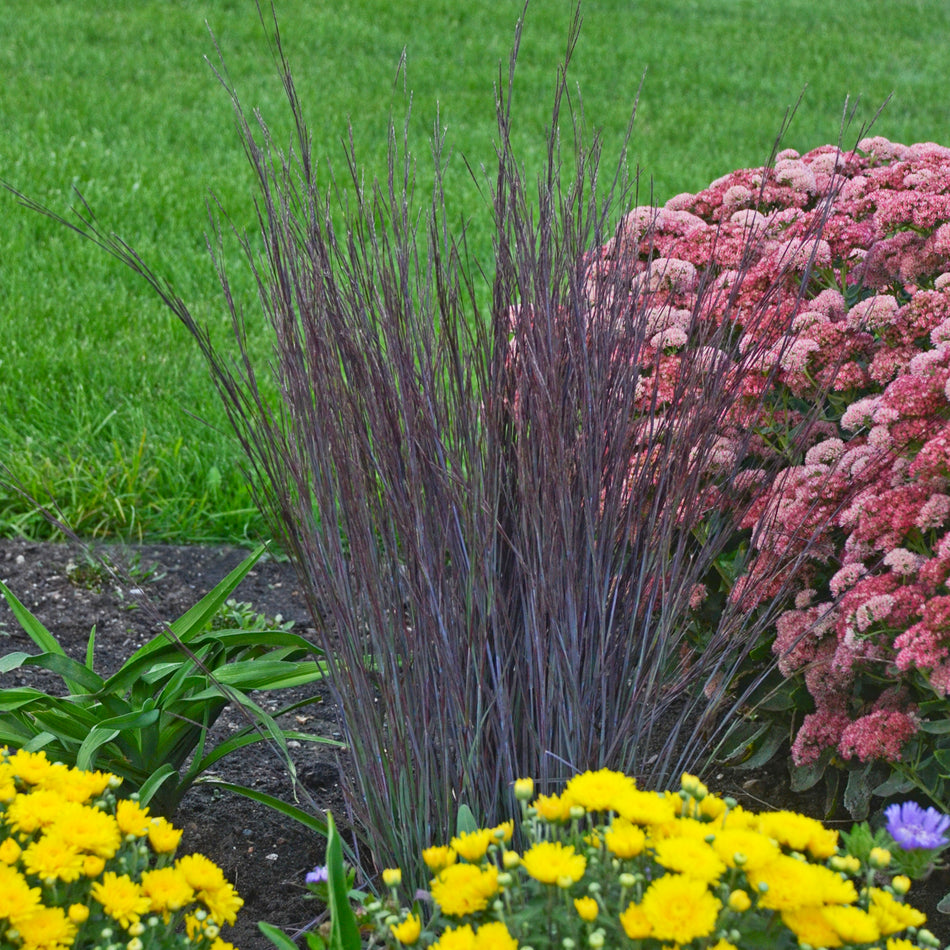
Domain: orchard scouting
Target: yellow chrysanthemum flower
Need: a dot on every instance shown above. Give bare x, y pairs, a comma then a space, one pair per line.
7, 786
647, 808
811, 926
504, 831
167, 890
132, 818
9, 851
223, 903
799, 833
890, 915
603, 790
680, 908
407, 931
392, 877
635, 923
690, 857
473, 845
723, 944
34, 811
462, 889
50, 858
88, 829
17, 898
494, 936
458, 938
77, 786
121, 898
624, 839
551, 862
552, 807
163, 836
30, 767
901, 943
48, 928
852, 924
792, 884
438, 857
586, 908
201, 872
748, 849
712, 808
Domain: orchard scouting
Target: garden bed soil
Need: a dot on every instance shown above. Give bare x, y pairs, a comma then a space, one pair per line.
265, 854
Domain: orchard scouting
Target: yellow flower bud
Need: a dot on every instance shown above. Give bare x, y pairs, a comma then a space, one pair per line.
392, 877
739, 901
511, 859
901, 884
586, 908
78, 913
880, 857
524, 789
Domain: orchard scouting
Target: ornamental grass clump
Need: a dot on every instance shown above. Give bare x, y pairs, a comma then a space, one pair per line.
607, 864
499, 529
81, 868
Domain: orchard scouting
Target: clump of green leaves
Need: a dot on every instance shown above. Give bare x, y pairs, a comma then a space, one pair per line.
149, 722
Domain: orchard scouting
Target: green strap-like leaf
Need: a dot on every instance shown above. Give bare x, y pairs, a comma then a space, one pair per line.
276, 936
33, 628
291, 811
155, 781
344, 929
79, 680
109, 729
184, 629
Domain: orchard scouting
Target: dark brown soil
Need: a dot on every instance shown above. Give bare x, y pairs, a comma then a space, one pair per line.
265, 854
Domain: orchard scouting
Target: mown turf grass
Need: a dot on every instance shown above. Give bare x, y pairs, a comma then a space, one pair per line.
99, 388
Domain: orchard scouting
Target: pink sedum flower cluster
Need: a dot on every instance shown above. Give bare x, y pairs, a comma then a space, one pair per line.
860, 242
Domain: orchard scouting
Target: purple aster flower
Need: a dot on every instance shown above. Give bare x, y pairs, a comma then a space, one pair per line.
317, 876
914, 827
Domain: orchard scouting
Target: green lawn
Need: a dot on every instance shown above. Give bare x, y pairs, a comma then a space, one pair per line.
99, 388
